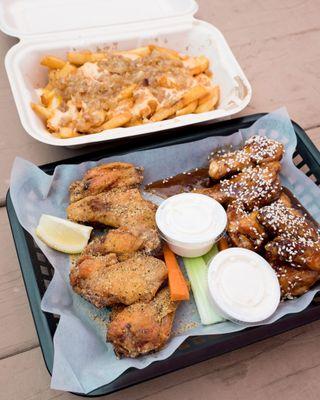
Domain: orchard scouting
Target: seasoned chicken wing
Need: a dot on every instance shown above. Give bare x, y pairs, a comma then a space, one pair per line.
244, 229
254, 187
105, 177
296, 239
296, 250
124, 242
257, 150
104, 282
142, 327
118, 207
295, 281
281, 216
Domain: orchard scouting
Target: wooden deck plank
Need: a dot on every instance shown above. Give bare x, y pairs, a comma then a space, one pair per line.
17, 331
284, 367
280, 77
255, 21
314, 135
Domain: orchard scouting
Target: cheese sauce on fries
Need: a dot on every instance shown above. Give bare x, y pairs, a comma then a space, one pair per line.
93, 92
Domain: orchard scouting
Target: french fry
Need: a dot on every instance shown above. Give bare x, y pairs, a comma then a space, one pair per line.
205, 98
127, 92
142, 111
164, 113
80, 58
97, 56
127, 54
189, 109
195, 93
166, 82
48, 87
50, 99
123, 106
213, 92
196, 65
141, 51
153, 104
144, 108
52, 62
66, 132
201, 66
55, 102
114, 122
66, 70
46, 97
136, 103
167, 52
98, 117
208, 104
205, 107
192, 95
43, 112
133, 122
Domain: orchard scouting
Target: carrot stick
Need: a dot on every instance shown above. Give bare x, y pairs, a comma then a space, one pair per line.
177, 283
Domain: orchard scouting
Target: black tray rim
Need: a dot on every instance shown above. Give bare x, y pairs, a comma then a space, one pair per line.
286, 323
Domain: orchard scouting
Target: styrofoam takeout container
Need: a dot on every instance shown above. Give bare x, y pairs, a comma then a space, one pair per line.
58, 26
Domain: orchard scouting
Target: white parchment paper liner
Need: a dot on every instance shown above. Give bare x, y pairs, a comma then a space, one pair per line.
83, 361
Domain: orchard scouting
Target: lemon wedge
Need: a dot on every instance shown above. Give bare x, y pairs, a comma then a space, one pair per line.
63, 235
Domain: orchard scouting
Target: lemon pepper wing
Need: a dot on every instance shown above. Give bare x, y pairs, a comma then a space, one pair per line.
105, 282
115, 208
125, 242
143, 327
105, 177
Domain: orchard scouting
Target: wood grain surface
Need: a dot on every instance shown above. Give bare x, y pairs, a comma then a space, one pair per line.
277, 43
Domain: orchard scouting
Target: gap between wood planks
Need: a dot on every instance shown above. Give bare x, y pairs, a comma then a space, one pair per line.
15, 353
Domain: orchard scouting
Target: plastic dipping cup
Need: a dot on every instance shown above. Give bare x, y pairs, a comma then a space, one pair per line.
243, 286
191, 223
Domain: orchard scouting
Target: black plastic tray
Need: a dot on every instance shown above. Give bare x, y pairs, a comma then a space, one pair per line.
37, 271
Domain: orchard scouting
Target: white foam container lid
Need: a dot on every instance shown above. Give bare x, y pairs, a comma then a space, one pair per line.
58, 26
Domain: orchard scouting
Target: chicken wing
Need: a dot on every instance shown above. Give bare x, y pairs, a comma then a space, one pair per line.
124, 242
104, 282
254, 187
281, 216
296, 240
105, 177
257, 150
296, 250
118, 207
295, 281
142, 327
244, 229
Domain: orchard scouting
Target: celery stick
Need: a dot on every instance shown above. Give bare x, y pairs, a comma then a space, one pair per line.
197, 271
209, 256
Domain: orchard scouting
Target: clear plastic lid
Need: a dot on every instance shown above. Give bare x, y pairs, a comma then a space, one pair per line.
243, 286
191, 218
27, 18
